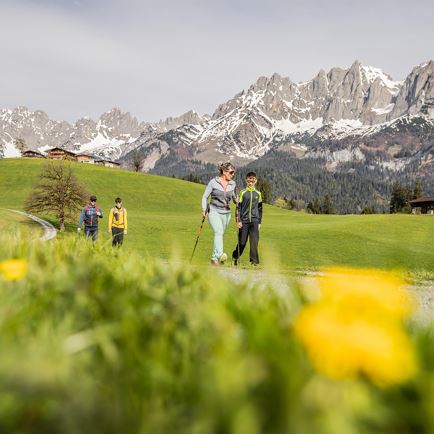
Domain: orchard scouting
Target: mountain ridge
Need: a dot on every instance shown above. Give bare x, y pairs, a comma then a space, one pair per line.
332, 110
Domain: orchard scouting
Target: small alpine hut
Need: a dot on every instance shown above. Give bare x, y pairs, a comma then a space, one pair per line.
61, 154
32, 154
422, 205
85, 158
108, 163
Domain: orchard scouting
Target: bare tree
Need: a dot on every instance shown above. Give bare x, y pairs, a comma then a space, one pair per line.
59, 192
137, 161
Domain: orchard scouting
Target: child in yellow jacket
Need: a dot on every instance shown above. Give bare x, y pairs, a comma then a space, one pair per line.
118, 222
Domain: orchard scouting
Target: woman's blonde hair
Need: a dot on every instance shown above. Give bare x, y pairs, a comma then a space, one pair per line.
223, 167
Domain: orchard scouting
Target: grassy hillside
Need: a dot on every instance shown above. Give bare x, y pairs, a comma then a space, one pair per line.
165, 214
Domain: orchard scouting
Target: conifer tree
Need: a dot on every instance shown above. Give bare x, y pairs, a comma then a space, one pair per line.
417, 191
327, 206
265, 188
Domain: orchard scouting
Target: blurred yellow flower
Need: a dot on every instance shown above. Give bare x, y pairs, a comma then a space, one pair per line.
356, 327
13, 269
368, 291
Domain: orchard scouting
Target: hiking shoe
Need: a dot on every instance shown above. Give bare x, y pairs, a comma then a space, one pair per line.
223, 258
234, 261
214, 262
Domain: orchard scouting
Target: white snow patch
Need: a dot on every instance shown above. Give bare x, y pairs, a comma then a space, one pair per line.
371, 74
101, 141
393, 165
306, 125
44, 149
10, 151
347, 124
384, 110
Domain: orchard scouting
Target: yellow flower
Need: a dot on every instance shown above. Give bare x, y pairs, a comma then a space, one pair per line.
368, 291
13, 269
355, 328
343, 346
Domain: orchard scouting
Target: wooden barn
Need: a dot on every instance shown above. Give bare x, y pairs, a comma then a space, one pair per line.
423, 205
61, 154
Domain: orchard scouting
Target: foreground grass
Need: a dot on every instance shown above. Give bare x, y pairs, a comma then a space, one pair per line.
165, 215
96, 340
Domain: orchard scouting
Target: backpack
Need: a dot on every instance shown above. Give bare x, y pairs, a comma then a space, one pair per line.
116, 214
91, 219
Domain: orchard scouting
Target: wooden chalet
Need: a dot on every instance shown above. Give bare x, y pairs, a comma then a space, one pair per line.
108, 163
61, 154
85, 158
423, 205
32, 154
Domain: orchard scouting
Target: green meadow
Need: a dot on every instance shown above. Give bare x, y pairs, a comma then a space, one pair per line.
165, 214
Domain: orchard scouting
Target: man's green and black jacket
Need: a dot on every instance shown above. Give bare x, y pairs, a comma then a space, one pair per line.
250, 205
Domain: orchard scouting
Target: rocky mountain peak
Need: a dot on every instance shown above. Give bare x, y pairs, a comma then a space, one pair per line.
417, 93
190, 117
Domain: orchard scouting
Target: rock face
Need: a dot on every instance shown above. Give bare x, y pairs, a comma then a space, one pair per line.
359, 107
416, 95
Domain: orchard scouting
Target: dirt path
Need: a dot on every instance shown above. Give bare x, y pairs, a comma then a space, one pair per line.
422, 293
49, 230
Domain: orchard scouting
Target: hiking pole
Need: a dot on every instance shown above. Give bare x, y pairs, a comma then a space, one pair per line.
200, 231
237, 220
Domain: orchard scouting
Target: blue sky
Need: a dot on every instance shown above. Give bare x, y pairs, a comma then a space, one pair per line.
74, 58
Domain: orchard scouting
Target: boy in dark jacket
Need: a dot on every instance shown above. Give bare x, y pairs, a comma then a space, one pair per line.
90, 215
249, 211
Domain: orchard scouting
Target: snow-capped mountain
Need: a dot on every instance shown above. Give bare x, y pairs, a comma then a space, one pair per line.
342, 114
111, 136
337, 106
41, 133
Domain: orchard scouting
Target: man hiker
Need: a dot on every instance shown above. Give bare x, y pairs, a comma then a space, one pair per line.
90, 215
118, 223
249, 220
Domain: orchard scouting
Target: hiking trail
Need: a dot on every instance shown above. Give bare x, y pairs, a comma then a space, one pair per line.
50, 231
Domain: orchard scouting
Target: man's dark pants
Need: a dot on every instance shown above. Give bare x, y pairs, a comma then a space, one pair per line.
248, 231
91, 232
117, 236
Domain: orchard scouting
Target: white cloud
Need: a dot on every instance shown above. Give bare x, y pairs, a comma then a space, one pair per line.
156, 59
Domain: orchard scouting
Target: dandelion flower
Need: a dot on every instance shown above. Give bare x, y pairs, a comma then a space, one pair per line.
13, 269
356, 327
342, 346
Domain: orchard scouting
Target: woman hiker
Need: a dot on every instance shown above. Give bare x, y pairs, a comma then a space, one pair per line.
222, 191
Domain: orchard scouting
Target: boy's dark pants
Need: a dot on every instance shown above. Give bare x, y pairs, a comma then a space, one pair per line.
248, 231
91, 232
118, 236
